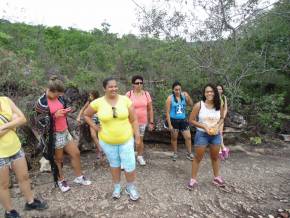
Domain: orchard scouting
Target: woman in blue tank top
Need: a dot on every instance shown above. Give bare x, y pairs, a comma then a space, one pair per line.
176, 118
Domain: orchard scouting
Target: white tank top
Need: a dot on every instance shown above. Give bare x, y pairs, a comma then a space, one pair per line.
207, 116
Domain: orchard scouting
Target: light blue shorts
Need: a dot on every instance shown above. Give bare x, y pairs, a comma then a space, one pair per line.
120, 153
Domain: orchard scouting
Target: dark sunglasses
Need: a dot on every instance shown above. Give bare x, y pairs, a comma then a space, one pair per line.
138, 83
114, 112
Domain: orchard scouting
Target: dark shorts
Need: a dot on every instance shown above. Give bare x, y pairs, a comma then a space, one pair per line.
179, 125
9, 160
203, 139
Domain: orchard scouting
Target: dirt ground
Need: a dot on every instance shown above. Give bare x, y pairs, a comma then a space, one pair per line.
257, 186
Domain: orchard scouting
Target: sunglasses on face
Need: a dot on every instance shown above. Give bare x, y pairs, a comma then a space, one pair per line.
138, 83
114, 112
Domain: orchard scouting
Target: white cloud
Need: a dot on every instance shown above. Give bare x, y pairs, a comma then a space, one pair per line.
85, 14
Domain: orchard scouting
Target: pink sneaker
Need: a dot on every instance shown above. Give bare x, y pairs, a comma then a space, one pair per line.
221, 155
226, 153
192, 184
218, 181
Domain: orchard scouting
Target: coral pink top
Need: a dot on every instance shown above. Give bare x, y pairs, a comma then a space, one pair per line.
60, 123
140, 103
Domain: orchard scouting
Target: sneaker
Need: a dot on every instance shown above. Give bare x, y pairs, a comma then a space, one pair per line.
132, 192
226, 153
189, 156
141, 160
98, 156
192, 184
218, 181
63, 186
36, 205
221, 155
82, 180
174, 157
117, 192
12, 214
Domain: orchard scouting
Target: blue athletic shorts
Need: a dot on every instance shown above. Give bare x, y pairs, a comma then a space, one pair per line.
120, 153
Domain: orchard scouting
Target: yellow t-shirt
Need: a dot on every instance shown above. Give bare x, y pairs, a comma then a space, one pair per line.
116, 130
9, 143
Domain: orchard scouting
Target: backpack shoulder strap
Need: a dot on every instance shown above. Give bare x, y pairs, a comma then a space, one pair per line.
146, 94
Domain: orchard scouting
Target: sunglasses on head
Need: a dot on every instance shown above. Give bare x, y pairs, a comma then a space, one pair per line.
114, 112
138, 83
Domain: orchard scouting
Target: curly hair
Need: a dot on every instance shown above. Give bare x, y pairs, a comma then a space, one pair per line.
216, 98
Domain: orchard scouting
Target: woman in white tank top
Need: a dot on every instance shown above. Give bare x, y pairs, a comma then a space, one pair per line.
207, 116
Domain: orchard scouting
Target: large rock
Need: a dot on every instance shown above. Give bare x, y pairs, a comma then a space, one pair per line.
235, 120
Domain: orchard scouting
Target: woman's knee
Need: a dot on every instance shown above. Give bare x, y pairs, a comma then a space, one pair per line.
198, 158
214, 157
75, 154
187, 138
4, 184
23, 178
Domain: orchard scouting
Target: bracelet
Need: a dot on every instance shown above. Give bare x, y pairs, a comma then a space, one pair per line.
151, 123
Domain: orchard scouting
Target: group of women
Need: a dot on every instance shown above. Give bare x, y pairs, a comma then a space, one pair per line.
120, 121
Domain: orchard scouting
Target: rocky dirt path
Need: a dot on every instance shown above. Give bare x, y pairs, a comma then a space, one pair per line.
257, 185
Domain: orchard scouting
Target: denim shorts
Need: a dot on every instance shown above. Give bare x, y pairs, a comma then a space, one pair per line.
9, 160
203, 139
142, 129
61, 139
120, 153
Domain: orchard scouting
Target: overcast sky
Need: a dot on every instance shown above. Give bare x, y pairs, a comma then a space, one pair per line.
84, 14
80, 14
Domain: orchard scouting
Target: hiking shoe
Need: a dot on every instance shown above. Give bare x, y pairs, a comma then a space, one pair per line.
189, 156
226, 153
117, 191
36, 205
141, 160
82, 180
192, 184
63, 186
12, 214
218, 181
221, 155
98, 156
174, 157
132, 192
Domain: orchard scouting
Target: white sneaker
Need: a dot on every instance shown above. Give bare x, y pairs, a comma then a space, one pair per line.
141, 160
82, 180
63, 186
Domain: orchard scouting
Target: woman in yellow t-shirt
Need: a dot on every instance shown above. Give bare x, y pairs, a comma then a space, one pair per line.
118, 124
12, 156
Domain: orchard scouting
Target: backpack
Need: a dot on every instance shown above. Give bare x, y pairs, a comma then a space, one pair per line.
146, 94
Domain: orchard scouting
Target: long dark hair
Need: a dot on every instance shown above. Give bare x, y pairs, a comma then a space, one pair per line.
222, 88
176, 83
216, 98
